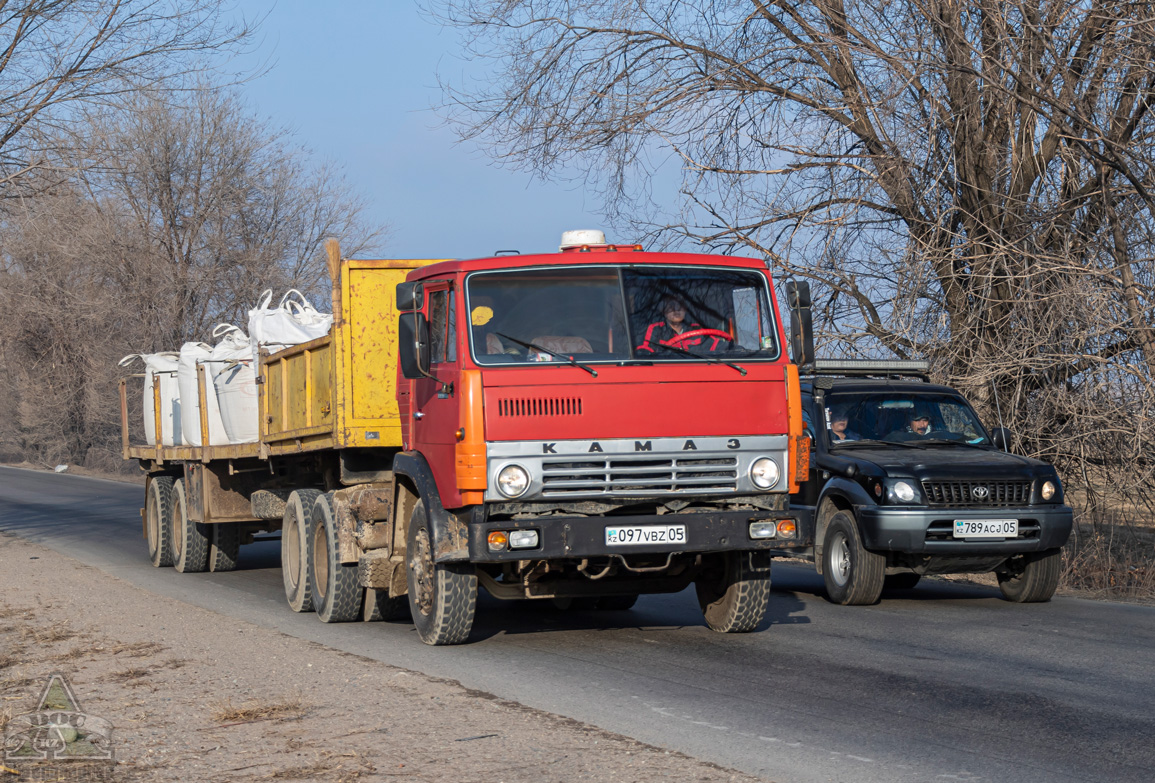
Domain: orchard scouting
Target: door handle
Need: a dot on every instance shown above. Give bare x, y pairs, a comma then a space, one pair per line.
418, 415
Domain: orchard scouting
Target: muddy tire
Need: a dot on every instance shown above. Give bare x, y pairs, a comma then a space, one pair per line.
734, 590
617, 603
853, 575
379, 606
442, 596
905, 581
296, 549
1033, 581
337, 597
190, 540
157, 512
224, 546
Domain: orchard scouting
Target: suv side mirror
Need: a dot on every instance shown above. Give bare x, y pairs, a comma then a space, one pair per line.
413, 344
1001, 437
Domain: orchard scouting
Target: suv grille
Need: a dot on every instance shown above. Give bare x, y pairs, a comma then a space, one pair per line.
641, 475
977, 493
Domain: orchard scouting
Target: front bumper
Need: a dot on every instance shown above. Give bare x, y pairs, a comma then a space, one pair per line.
929, 530
579, 537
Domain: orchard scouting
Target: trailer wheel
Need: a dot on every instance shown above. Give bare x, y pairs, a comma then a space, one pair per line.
190, 540
224, 546
442, 596
157, 512
297, 550
734, 590
379, 606
336, 595
854, 576
1033, 581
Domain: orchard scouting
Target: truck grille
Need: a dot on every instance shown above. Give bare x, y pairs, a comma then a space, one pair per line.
636, 476
977, 493
540, 406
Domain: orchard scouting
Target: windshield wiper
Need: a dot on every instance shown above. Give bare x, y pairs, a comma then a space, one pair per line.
873, 443
548, 352
948, 442
711, 359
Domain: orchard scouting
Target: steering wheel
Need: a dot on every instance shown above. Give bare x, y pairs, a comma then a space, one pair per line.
677, 340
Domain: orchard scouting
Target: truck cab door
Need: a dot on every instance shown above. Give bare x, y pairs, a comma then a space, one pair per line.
433, 408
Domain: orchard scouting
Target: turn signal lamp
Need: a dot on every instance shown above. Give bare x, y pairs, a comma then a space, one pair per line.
498, 541
787, 528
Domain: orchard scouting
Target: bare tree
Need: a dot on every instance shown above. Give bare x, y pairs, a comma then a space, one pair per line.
969, 182
59, 55
176, 217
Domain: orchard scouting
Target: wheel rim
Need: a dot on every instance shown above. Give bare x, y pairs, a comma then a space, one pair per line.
321, 560
421, 566
152, 526
291, 540
840, 560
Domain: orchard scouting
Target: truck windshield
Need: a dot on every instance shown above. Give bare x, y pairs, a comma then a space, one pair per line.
620, 314
901, 418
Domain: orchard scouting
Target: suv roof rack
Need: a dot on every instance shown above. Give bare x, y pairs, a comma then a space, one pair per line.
909, 368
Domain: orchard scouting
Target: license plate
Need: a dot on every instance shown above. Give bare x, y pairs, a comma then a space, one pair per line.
646, 534
986, 528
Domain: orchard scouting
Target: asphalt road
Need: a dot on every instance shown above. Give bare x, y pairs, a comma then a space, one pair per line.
942, 682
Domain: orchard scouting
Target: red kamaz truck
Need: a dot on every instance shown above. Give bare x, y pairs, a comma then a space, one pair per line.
585, 426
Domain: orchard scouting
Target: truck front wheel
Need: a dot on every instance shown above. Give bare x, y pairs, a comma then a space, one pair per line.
1030, 579
854, 576
442, 596
734, 590
297, 550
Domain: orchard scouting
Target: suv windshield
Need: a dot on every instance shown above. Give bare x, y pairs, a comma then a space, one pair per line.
618, 314
895, 417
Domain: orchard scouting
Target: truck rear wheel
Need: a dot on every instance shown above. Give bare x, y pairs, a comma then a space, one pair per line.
157, 512
854, 576
734, 590
336, 595
296, 549
1032, 581
442, 596
190, 540
224, 546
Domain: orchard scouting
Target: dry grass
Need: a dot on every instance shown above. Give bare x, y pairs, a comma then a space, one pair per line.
290, 709
1111, 561
55, 632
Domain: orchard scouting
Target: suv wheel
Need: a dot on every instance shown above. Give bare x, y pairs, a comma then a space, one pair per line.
1032, 581
853, 576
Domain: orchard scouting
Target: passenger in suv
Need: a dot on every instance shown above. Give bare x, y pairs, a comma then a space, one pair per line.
925, 489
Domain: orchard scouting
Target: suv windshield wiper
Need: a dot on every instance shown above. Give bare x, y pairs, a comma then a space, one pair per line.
710, 359
548, 352
874, 443
949, 442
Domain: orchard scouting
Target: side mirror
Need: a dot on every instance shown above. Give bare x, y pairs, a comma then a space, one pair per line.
1001, 437
801, 324
413, 344
410, 296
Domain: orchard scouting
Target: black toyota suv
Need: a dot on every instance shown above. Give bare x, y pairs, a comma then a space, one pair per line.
905, 481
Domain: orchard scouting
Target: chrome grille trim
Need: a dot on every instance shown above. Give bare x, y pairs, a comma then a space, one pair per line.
968, 493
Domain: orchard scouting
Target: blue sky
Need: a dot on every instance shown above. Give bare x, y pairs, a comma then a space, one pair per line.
355, 80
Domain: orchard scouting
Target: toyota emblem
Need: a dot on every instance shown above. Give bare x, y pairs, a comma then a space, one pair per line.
980, 492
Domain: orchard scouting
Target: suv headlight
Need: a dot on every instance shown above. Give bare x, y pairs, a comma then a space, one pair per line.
513, 481
1047, 491
901, 492
764, 473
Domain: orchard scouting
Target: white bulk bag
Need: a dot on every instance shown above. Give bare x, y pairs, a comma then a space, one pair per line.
292, 322
192, 354
163, 368
236, 384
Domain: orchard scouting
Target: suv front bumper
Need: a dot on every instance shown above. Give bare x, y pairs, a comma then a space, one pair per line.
929, 530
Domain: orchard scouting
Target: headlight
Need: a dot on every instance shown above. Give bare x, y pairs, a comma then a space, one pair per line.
1048, 490
902, 492
764, 473
513, 481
